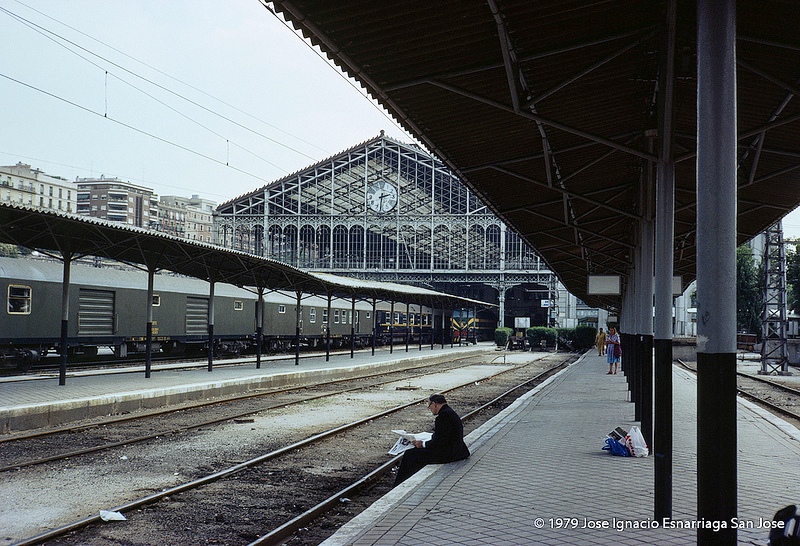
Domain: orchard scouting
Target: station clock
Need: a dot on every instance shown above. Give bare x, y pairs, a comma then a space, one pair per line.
382, 196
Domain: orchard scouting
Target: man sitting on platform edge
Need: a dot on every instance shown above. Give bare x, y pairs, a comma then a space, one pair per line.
445, 446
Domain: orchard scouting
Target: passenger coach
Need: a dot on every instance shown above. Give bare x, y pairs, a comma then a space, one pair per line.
107, 308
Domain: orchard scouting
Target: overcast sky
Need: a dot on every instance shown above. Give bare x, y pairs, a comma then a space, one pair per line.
207, 97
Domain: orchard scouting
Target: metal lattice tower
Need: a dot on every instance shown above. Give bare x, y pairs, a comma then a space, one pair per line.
774, 324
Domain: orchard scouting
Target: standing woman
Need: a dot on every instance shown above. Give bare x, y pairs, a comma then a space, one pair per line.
613, 350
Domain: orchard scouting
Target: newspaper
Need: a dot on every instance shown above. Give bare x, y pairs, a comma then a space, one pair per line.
406, 440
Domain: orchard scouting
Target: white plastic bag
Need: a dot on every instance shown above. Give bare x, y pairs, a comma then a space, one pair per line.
108, 515
635, 443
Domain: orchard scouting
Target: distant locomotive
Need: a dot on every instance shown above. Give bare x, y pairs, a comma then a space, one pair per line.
107, 308
469, 328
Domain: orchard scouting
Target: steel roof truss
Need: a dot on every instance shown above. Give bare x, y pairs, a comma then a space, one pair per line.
549, 122
564, 191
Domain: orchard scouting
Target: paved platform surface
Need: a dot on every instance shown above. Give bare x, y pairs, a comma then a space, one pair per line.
32, 401
538, 475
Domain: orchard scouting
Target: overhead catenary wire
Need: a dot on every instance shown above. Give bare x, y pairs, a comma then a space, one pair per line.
136, 129
165, 74
61, 41
42, 31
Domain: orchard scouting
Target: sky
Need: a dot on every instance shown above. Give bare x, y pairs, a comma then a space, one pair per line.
202, 97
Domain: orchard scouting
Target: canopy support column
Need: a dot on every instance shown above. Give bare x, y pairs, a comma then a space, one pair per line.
433, 324
450, 331
501, 296
391, 329
419, 329
444, 326
259, 325
328, 330
298, 315
645, 296
716, 268
374, 324
665, 236
62, 370
353, 327
408, 324
211, 326
148, 352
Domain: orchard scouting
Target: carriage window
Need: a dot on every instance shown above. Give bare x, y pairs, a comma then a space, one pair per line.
336, 316
238, 305
281, 309
156, 300
19, 300
312, 315
366, 316
324, 316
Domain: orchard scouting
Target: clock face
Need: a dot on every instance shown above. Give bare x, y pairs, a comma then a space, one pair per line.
382, 197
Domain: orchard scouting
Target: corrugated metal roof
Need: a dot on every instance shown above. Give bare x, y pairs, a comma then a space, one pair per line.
85, 236
559, 145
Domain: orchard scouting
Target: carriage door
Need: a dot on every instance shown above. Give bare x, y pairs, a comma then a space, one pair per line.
196, 316
96, 315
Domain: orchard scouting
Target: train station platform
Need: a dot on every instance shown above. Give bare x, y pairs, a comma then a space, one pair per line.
37, 400
537, 475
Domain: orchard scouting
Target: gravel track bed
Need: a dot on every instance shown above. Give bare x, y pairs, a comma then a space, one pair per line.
240, 508
97, 432
773, 395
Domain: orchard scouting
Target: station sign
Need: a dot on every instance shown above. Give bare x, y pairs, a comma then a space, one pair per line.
608, 285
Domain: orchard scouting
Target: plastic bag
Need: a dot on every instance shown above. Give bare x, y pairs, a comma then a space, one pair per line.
635, 443
108, 515
616, 448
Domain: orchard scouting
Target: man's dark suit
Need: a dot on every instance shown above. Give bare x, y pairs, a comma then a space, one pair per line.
446, 445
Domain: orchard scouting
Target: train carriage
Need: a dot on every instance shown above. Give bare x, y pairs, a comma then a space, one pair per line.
107, 308
416, 328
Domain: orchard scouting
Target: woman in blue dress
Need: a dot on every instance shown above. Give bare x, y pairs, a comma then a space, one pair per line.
613, 350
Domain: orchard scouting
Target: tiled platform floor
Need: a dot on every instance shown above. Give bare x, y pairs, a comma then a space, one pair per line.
538, 475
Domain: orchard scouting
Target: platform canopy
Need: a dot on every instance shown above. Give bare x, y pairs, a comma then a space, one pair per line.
548, 110
78, 236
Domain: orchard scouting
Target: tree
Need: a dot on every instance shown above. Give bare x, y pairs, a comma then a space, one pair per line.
9, 250
792, 280
749, 291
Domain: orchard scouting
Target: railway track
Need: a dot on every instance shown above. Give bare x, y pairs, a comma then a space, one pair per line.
280, 534
15, 455
772, 395
232, 475
51, 365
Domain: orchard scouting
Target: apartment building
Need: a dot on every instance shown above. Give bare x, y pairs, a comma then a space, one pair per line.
190, 218
22, 184
118, 201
